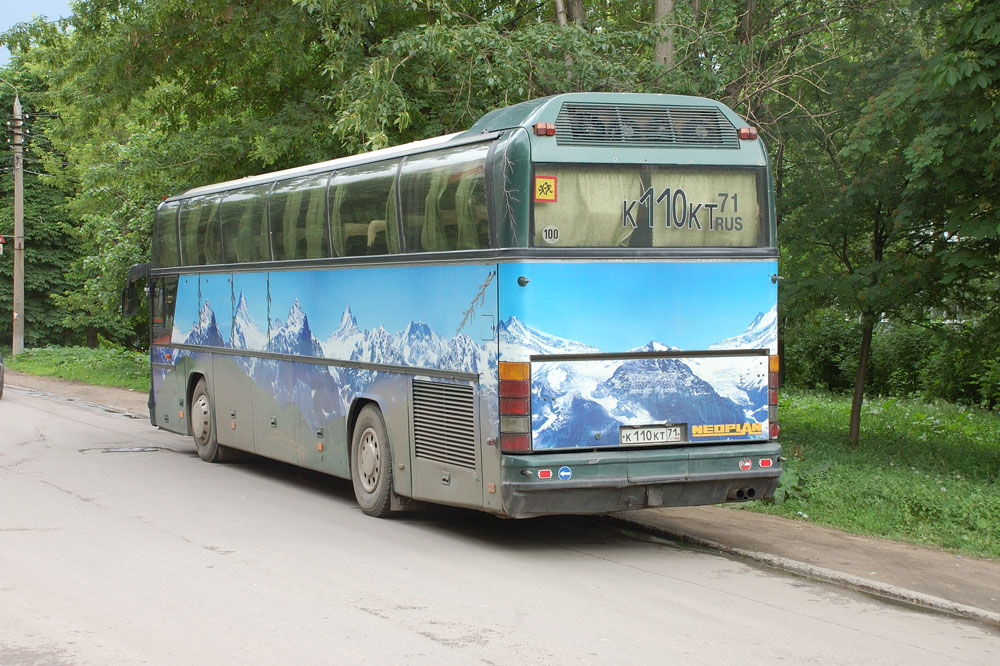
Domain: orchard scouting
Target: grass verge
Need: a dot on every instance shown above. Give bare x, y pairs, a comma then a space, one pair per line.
922, 473
104, 366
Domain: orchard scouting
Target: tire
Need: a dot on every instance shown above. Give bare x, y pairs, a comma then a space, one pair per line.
371, 463
201, 420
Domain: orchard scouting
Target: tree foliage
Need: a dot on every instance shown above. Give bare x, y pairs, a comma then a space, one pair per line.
50, 240
881, 119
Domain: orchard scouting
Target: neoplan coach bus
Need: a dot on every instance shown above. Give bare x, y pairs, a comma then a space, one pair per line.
568, 308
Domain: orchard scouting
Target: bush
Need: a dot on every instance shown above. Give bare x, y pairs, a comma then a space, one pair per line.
954, 361
821, 350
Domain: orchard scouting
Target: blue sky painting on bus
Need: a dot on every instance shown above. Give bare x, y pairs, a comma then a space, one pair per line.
686, 305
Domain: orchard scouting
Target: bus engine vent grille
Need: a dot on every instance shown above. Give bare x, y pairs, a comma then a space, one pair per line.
646, 125
444, 421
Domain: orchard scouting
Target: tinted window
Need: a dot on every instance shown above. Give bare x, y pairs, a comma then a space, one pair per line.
199, 230
165, 235
444, 200
244, 225
163, 296
297, 211
363, 210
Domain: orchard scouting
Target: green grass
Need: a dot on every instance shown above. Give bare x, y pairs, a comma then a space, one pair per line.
922, 473
104, 366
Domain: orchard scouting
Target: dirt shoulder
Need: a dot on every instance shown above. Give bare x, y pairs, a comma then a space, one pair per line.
124, 400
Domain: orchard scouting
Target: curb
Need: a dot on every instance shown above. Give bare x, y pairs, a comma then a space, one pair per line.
813, 572
79, 401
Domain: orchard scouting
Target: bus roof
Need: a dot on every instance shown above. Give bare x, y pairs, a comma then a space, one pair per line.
329, 165
528, 113
525, 115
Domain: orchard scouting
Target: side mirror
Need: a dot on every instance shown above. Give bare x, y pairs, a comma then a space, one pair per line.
130, 300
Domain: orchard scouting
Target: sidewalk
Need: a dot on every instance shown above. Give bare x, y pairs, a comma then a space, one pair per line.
924, 577
928, 578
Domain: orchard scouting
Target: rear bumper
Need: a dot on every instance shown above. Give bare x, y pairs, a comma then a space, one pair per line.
604, 481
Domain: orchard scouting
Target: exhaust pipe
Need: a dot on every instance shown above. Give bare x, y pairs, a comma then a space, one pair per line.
741, 494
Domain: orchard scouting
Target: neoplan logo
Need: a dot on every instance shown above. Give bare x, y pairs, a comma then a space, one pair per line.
723, 429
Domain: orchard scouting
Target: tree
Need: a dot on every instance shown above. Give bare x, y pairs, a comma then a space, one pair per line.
49, 239
895, 208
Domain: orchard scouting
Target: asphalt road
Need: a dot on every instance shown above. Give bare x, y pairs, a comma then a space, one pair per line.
119, 546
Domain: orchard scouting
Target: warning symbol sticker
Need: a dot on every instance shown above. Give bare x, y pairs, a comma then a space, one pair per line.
545, 188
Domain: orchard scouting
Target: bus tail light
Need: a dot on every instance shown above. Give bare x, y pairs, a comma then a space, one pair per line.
515, 407
545, 129
773, 368
748, 133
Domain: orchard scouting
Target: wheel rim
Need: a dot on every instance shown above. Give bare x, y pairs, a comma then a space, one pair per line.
201, 420
369, 460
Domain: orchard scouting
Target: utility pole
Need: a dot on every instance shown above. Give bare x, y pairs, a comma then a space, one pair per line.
17, 126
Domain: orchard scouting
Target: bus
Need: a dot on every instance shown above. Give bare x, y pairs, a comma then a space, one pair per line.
569, 308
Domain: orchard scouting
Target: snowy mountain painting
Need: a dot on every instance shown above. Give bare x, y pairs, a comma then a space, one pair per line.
582, 403
324, 392
428, 317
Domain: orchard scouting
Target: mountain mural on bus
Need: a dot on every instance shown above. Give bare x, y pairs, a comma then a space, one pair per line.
322, 392
432, 317
581, 400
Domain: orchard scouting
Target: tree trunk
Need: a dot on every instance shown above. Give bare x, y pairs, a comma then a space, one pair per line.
746, 28
867, 328
561, 12
577, 12
663, 50
92, 337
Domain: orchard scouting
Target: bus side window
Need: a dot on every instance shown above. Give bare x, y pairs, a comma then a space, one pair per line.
199, 231
298, 218
444, 200
209, 233
163, 296
244, 225
362, 210
165, 252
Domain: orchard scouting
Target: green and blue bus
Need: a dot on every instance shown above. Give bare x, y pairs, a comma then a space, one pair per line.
568, 308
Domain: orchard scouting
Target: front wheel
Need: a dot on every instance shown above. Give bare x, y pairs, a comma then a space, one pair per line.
371, 463
201, 419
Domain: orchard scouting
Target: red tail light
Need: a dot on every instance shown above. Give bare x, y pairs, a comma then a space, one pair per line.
515, 407
515, 443
773, 368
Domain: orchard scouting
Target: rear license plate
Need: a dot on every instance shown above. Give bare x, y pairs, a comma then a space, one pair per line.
651, 434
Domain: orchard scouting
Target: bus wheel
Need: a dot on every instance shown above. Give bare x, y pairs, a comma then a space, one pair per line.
203, 424
371, 463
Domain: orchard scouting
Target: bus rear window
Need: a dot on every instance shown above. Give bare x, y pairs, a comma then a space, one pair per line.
648, 206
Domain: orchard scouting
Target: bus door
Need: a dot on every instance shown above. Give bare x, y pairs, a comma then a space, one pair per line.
233, 388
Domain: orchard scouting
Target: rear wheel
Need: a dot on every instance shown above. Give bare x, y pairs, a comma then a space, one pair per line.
371, 463
201, 420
